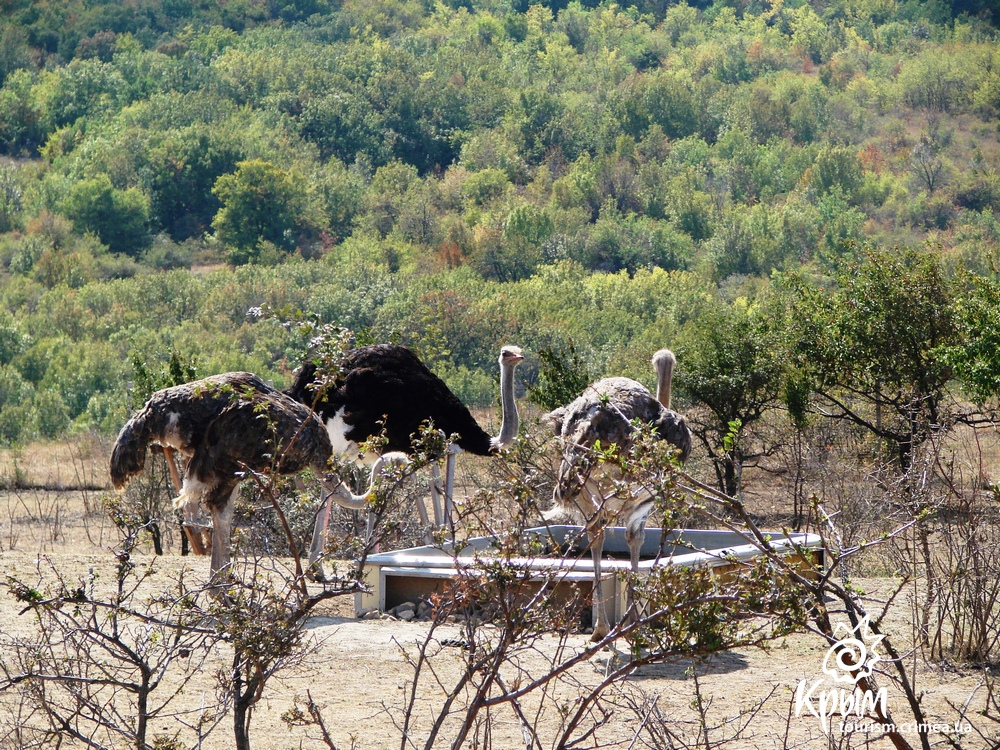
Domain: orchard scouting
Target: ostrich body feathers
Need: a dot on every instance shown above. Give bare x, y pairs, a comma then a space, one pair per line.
387, 382
604, 412
224, 425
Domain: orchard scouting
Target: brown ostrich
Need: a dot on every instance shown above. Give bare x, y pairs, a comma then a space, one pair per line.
224, 426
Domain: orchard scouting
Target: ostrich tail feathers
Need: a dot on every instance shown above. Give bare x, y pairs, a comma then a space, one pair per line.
673, 428
300, 390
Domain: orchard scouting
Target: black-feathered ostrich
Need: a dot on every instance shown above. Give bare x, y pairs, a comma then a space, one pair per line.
223, 425
604, 411
386, 386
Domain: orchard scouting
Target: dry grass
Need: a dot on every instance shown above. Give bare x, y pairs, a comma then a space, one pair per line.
79, 463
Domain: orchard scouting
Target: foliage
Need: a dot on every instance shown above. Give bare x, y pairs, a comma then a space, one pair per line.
562, 376
103, 664
261, 203
874, 344
465, 174
118, 217
733, 361
973, 355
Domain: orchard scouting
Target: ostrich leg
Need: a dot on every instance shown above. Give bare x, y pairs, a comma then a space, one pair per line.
421, 507
222, 522
425, 522
600, 617
443, 506
168, 453
635, 535
436, 495
190, 524
319, 537
449, 483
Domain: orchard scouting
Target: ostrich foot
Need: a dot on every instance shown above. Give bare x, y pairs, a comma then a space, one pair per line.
598, 634
315, 573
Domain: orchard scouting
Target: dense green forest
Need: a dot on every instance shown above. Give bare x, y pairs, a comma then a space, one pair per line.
787, 193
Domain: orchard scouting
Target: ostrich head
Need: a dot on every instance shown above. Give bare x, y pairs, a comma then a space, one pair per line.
510, 356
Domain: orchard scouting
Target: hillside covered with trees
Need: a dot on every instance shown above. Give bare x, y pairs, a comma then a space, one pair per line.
737, 180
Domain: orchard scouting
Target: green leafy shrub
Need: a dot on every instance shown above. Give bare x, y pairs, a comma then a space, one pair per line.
261, 203
562, 376
120, 218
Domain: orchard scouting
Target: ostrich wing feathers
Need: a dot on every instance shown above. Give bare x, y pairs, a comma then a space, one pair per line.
604, 412
222, 423
389, 382
177, 417
261, 431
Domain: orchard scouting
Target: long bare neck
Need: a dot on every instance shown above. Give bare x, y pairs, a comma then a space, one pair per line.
342, 494
508, 406
664, 362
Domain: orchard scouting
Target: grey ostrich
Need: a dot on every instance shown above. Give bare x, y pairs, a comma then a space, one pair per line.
604, 412
387, 387
224, 425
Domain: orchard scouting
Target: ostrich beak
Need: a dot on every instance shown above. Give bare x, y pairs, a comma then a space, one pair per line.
511, 354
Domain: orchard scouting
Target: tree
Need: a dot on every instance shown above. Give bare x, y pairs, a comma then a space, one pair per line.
21, 127
976, 357
184, 166
836, 167
384, 199
874, 345
261, 203
119, 217
732, 360
927, 165
11, 194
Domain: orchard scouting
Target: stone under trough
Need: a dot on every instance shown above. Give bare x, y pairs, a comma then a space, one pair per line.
561, 552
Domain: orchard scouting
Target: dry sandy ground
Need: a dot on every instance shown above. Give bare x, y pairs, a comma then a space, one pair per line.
358, 672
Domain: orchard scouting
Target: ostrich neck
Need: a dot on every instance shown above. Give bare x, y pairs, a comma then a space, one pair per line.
664, 376
508, 407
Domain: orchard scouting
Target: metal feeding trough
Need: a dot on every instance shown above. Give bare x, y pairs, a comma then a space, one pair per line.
561, 553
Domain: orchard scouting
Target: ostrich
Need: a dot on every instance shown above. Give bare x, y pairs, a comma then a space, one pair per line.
604, 412
386, 386
224, 425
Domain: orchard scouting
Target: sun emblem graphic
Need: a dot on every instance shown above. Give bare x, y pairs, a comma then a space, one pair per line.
854, 655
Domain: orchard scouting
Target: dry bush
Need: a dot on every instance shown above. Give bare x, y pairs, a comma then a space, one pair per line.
961, 607
107, 663
517, 662
102, 665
